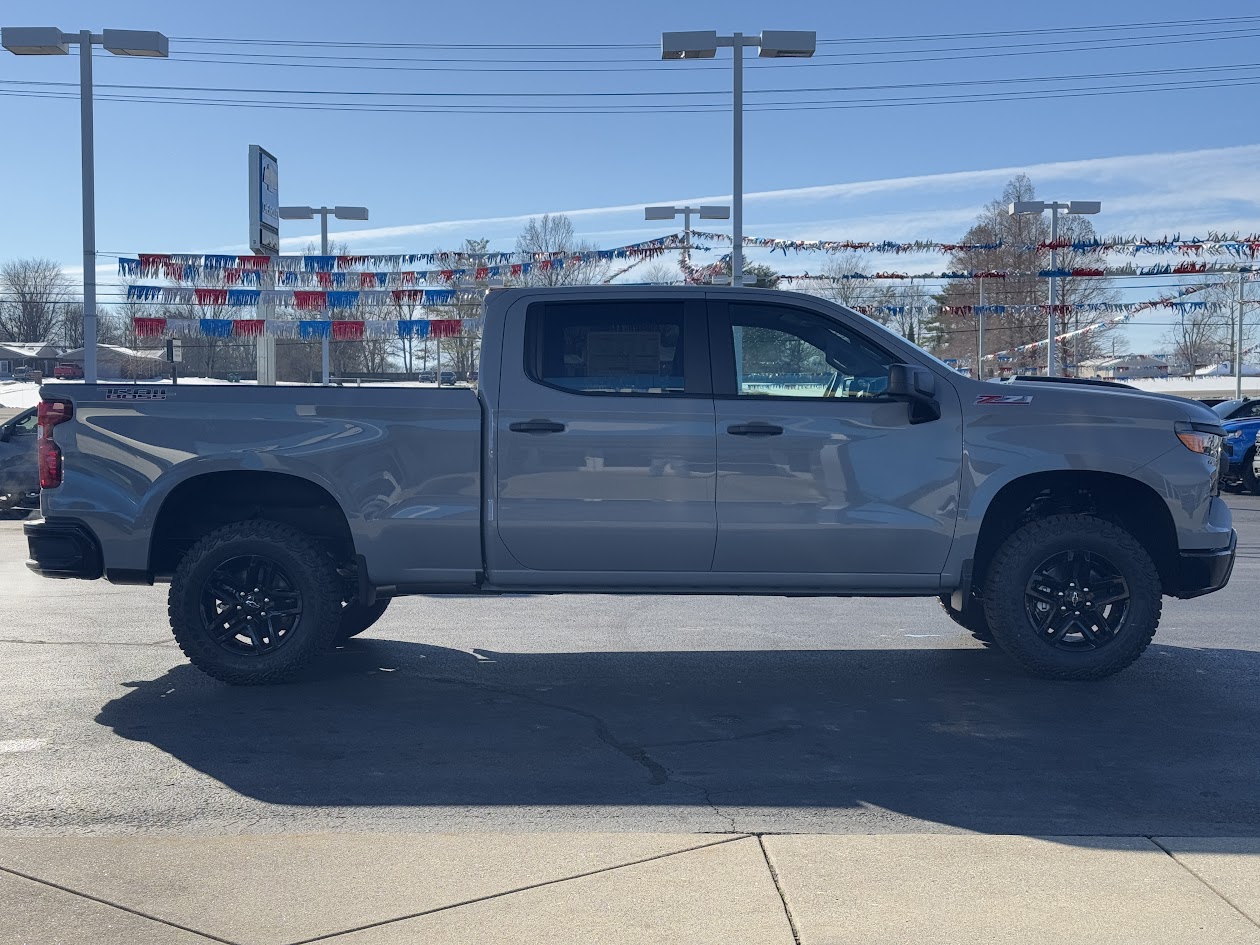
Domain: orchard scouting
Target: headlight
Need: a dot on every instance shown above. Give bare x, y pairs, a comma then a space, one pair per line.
1199, 437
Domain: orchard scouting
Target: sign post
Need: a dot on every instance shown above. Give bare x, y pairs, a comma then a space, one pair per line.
264, 239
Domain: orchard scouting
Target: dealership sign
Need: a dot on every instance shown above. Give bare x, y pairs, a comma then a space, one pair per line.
264, 202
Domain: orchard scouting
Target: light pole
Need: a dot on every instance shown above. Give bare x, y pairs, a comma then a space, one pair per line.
1037, 207
307, 213
705, 212
703, 44
50, 41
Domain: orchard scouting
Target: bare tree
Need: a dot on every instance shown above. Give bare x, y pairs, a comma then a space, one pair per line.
1020, 238
550, 234
659, 272
33, 296
1203, 336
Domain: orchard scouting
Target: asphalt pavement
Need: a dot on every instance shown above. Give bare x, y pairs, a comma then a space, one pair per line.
607, 713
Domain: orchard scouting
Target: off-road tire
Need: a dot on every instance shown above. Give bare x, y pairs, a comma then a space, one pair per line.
1248, 476
355, 618
313, 573
970, 618
1025, 550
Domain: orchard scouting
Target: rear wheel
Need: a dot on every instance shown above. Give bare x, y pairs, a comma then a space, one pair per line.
355, 618
254, 602
1072, 597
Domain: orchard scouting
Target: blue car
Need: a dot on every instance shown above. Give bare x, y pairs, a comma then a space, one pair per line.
1241, 419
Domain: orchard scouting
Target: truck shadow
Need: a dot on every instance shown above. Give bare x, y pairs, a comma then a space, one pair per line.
952, 736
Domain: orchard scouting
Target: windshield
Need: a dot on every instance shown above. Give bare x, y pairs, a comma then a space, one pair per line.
1226, 407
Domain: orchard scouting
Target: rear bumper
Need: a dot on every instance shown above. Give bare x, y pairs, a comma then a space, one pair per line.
1202, 572
62, 550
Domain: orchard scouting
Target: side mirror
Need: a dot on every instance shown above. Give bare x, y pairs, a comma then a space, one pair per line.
918, 386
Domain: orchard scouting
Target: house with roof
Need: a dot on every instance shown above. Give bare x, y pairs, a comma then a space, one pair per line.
39, 356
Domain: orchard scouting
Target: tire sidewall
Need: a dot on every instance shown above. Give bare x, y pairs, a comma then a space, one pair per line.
1029, 547
315, 584
1249, 480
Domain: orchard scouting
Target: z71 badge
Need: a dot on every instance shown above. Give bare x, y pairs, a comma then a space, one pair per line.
135, 393
1004, 400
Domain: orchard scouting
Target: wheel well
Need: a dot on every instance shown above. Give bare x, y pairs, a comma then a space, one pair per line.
204, 503
1133, 505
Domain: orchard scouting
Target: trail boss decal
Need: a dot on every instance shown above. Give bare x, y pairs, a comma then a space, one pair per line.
135, 393
1004, 400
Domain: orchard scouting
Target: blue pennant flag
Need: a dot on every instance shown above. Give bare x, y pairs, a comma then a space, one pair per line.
239, 297
413, 328
313, 329
216, 327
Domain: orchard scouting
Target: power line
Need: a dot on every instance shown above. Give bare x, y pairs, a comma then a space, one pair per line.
907, 56
651, 109
1161, 24
648, 94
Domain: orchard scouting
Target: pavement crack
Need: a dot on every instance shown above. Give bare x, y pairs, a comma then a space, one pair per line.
115, 905
518, 889
657, 773
778, 886
1224, 898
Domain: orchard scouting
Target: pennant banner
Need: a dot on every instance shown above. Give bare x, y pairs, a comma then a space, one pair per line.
336, 329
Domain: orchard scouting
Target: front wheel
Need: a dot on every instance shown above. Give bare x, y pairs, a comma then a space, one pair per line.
254, 602
355, 617
1072, 597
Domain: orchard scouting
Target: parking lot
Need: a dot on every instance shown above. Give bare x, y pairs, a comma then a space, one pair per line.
626, 713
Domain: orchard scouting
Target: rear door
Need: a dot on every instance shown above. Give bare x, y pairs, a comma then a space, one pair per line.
604, 450
820, 475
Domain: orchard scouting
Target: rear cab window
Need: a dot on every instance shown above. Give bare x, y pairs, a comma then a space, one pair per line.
649, 347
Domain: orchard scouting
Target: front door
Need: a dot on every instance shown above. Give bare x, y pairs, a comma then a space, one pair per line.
605, 449
819, 474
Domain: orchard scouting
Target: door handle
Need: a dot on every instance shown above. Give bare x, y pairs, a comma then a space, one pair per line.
536, 426
754, 429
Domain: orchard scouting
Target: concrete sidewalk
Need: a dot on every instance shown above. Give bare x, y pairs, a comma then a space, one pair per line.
361, 889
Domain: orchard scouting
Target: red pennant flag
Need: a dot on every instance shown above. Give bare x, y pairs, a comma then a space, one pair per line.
149, 327
210, 296
447, 275
325, 279
309, 301
407, 278
253, 262
347, 331
444, 327
407, 295
367, 280
481, 273
248, 327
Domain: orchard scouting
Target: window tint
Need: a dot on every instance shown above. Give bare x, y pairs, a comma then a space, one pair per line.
607, 347
787, 352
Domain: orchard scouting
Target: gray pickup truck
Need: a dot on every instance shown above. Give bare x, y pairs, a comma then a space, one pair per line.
643, 440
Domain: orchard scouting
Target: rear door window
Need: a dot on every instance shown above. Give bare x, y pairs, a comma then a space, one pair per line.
623, 347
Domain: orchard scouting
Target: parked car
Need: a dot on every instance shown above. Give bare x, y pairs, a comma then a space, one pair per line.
426, 377
1246, 408
26, 374
448, 378
1238, 459
68, 371
617, 448
19, 464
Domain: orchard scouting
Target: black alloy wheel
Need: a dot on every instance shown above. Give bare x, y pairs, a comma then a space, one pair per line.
250, 605
1077, 600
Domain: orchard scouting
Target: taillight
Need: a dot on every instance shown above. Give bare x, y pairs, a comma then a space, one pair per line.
51, 413
49, 464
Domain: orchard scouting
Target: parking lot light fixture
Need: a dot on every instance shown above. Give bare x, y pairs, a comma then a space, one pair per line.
772, 44
51, 41
1036, 208
705, 212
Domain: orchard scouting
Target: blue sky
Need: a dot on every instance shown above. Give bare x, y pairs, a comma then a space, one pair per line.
172, 178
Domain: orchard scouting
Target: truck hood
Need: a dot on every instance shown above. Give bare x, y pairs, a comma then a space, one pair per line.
1065, 396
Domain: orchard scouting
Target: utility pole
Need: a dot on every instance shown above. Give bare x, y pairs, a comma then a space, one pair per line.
980, 334
1238, 343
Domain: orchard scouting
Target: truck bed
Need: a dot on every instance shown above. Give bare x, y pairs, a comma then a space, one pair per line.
404, 465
